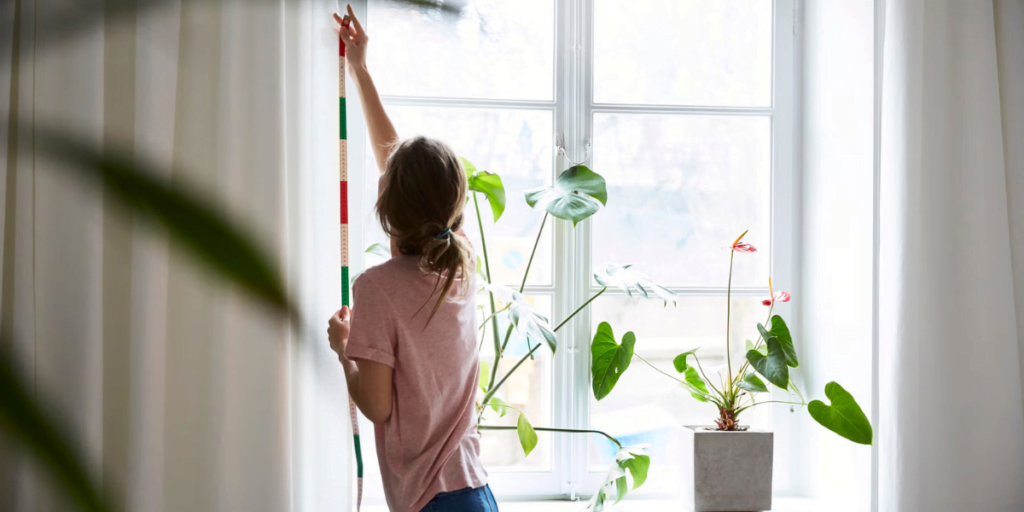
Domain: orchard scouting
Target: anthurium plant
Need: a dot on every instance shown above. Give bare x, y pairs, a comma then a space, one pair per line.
769, 360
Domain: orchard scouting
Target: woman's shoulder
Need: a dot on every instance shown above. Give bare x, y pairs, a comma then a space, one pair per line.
397, 268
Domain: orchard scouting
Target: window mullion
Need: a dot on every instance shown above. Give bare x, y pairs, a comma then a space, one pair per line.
580, 266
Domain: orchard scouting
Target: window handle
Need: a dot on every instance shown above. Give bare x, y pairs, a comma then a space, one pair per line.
587, 148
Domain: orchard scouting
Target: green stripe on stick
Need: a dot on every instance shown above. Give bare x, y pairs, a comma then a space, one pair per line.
344, 287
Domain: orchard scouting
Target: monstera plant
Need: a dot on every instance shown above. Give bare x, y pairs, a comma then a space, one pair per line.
577, 194
771, 358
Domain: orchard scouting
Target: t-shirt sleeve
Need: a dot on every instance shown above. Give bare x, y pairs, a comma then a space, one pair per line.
372, 336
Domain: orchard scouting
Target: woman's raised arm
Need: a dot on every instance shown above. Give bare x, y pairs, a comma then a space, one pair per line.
383, 136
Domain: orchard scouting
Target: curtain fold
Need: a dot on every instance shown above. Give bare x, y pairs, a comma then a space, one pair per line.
184, 393
951, 256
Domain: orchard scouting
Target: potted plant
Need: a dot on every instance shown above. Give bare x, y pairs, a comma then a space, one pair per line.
728, 466
577, 194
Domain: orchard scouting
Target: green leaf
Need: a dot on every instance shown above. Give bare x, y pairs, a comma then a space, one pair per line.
628, 280
750, 345
526, 319
773, 366
499, 406
197, 225
621, 488
780, 331
752, 384
485, 375
638, 466
488, 184
680, 361
379, 249
30, 428
577, 194
693, 378
609, 360
844, 416
527, 436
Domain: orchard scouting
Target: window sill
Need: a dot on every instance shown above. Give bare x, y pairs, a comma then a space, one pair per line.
778, 505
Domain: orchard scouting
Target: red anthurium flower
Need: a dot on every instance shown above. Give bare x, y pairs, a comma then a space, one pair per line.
742, 247
778, 297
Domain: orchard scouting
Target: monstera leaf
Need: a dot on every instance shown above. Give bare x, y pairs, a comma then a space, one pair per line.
609, 359
629, 280
637, 462
772, 366
577, 194
633, 459
488, 184
844, 416
524, 316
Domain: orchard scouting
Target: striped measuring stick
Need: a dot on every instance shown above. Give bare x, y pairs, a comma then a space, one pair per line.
345, 297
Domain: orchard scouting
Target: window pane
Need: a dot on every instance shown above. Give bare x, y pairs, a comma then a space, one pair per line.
516, 144
648, 407
710, 52
680, 188
528, 390
488, 49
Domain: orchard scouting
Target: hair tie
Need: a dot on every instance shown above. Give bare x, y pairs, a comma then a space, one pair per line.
445, 233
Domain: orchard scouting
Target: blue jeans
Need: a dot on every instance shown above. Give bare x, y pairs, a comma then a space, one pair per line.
463, 500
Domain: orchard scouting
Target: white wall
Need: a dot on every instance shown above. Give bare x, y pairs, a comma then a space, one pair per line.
835, 299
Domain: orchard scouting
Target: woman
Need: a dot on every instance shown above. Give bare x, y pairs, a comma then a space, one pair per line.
410, 354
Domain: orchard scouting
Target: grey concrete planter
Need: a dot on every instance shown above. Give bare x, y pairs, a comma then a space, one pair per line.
727, 471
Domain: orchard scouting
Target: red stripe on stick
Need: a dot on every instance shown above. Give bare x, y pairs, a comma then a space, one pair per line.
344, 202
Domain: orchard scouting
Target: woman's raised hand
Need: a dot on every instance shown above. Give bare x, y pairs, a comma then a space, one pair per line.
355, 40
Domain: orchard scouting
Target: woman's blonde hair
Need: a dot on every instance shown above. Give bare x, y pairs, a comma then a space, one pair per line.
423, 192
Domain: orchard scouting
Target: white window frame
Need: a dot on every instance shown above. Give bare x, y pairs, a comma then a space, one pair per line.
573, 109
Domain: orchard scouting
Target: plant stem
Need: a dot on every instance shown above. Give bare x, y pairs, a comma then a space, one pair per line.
638, 356
548, 429
492, 389
728, 318
596, 295
483, 332
508, 334
534, 251
494, 320
706, 379
687, 385
483, 325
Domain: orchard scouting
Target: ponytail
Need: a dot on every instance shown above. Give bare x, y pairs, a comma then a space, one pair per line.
448, 256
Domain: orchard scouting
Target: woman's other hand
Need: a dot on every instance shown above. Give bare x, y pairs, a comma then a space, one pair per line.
338, 328
355, 40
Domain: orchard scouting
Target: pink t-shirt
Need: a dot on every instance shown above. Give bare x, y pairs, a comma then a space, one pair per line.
430, 444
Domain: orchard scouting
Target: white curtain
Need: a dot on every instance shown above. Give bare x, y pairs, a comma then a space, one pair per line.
185, 394
951, 257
